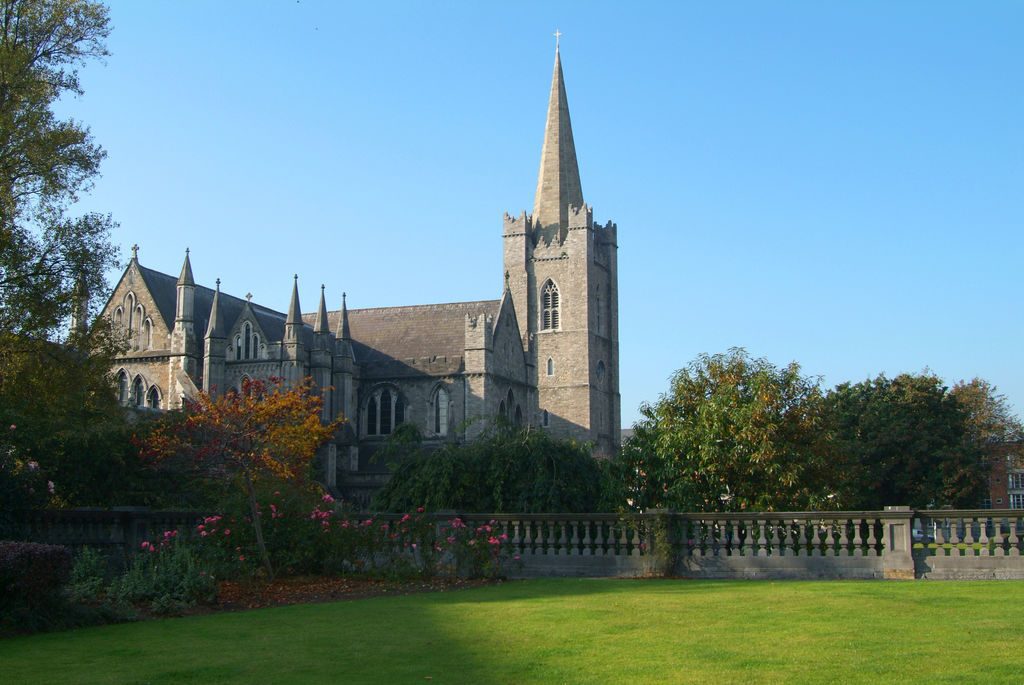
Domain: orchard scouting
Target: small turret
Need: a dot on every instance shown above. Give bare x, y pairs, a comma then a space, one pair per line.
343, 330
294, 321
321, 315
186, 293
215, 348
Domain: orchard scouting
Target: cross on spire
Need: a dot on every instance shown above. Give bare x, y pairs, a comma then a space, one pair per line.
557, 34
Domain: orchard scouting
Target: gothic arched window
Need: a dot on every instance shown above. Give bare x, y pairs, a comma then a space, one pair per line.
511, 400
551, 366
255, 346
122, 387
545, 419
247, 339
384, 411
371, 416
550, 311
238, 347
518, 420
118, 316
501, 409
138, 392
600, 374
153, 398
147, 334
441, 412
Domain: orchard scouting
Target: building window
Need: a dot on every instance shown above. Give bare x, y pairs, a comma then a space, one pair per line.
371, 416
600, 374
1016, 500
138, 392
545, 419
441, 412
122, 387
153, 398
238, 347
255, 346
247, 340
551, 366
550, 311
518, 420
384, 411
147, 334
118, 316
501, 409
1016, 481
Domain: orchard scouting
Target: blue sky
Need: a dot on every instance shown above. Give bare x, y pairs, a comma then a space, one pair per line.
838, 184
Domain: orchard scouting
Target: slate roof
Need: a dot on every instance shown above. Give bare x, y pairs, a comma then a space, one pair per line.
164, 290
385, 339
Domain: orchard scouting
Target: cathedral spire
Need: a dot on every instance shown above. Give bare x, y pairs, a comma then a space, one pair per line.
294, 311
186, 269
343, 331
558, 183
215, 329
321, 314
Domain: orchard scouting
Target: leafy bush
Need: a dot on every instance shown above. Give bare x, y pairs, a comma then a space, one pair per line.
89, 573
32, 574
167, 575
504, 470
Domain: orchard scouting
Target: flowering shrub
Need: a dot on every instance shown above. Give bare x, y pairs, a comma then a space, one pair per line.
167, 574
481, 551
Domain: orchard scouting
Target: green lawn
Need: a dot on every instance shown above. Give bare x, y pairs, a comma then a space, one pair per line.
569, 631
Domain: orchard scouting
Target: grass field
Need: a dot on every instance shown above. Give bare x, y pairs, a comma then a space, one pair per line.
568, 631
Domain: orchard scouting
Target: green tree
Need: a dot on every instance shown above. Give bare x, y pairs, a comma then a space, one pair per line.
905, 441
54, 386
504, 470
990, 418
49, 262
732, 432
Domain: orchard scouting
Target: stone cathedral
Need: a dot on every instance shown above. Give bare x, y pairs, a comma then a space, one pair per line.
545, 353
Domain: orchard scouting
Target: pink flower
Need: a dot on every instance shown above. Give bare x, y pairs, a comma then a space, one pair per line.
515, 558
200, 527
227, 531
405, 518
457, 523
328, 499
503, 537
50, 486
472, 542
419, 510
451, 539
13, 426
202, 533
414, 545
241, 557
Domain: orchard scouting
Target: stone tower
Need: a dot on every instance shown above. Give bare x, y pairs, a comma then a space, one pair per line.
562, 271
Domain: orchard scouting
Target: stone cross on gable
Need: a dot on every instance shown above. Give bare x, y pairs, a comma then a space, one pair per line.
135, 251
248, 297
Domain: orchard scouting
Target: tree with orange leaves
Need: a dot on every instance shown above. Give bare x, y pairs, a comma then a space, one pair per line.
266, 431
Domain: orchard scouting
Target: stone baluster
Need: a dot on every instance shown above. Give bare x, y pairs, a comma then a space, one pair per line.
563, 538
574, 540
623, 541
983, 539
876, 535
844, 538
999, 538
514, 538
588, 544
954, 537
858, 538
734, 538
1014, 548
762, 536
968, 550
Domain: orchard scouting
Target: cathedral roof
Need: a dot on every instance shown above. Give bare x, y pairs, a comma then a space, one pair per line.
558, 182
163, 289
385, 339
